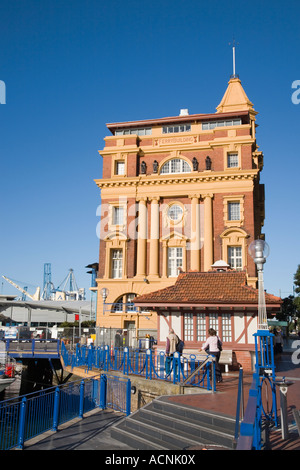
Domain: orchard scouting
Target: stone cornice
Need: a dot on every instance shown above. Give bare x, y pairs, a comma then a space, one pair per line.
151, 180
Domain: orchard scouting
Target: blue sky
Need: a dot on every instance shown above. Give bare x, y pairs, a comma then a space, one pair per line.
71, 66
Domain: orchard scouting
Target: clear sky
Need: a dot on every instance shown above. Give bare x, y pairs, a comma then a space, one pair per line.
71, 66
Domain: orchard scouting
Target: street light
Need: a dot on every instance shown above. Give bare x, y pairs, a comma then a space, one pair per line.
104, 292
259, 250
264, 350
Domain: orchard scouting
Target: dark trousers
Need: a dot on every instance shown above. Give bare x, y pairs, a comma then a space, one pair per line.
218, 369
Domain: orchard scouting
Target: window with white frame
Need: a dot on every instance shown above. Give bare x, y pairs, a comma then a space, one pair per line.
116, 263
235, 258
176, 128
124, 304
201, 327
213, 321
175, 261
226, 327
234, 212
176, 165
118, 215
138, 131
120, 168
188, 326
175, 212
213, 124
232, 160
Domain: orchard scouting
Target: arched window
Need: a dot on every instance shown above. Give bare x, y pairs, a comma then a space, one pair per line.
124, 303
176, 165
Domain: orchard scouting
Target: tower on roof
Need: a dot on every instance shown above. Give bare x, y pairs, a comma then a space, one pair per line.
235, 98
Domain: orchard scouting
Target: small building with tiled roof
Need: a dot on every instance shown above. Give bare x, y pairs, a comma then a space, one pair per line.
219, 299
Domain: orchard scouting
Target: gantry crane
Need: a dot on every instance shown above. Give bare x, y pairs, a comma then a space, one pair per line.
35, 296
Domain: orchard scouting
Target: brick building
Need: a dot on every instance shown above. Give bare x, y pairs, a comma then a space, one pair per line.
176, 192
219, 299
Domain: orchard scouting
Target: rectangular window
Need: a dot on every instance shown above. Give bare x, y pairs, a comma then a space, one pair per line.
118, 215
235, 257
213, 321
234, 211
228, 122
201, 327
174, 261
139, 131
226, 327
232, 160
177, 128
116, 264
188, 327
120, 168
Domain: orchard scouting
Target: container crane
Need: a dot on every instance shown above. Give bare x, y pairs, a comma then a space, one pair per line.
35, 296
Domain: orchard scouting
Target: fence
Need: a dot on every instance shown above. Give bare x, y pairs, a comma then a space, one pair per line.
257, 417
147, 363
25, 417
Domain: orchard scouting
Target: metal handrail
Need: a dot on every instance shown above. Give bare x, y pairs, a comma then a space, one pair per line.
206, 361
240, 403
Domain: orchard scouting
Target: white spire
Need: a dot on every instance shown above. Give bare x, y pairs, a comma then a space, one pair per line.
233, 43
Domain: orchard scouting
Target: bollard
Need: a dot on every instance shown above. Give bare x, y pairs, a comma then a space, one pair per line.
283, 388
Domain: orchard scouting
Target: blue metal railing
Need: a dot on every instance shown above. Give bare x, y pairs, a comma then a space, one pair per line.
25, 417
37, 348
256, 415
147, 363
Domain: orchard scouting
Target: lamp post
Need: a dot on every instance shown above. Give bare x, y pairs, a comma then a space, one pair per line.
104, 292
259, 250
264, 351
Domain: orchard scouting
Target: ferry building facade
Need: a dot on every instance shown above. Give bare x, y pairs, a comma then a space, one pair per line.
177, 194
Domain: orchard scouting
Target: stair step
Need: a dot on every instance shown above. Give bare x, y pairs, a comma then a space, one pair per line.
154, 435
136, 441
165, 425
194, 415
183, 429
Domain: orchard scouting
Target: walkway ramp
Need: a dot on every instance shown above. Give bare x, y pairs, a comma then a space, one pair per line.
163, 425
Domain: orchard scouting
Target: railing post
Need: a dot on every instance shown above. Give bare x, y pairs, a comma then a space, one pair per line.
126, 359
56, 409
81, 399
148, 365
21, 433
239, 404
128, 397
103, 391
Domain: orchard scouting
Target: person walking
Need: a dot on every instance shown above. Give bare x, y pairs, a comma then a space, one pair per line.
213, 346
171, 343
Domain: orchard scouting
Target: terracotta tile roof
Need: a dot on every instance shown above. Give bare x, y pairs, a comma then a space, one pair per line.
211, 287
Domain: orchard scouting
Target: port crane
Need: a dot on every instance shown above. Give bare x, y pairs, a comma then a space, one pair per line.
35, 296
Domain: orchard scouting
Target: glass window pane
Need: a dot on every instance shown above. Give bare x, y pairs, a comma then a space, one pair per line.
213, 321
226, 327
120, 168
175, 212
235, 257
233, 211
232, 160
201, 327
116, 264
174, 261
188, 327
